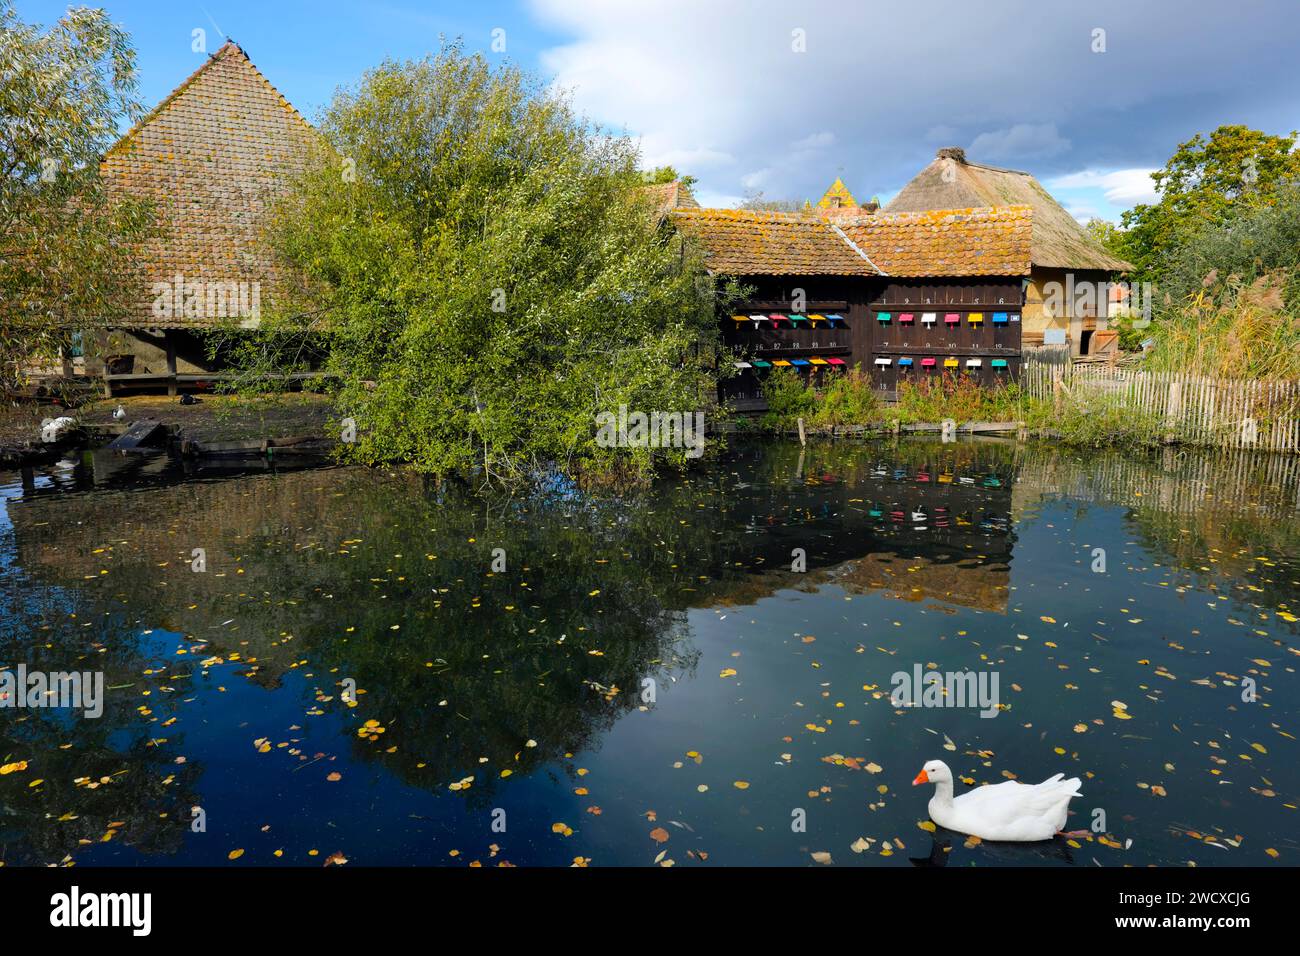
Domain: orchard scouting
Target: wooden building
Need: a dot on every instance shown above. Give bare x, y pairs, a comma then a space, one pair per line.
212, 156
1066, 295
950, 298
899, 296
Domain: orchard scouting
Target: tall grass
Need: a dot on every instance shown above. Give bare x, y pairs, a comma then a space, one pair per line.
1228, 302
959, 397
1082, 418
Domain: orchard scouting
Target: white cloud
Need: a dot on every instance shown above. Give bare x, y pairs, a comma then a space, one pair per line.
1121, 187
716, 89
715, 200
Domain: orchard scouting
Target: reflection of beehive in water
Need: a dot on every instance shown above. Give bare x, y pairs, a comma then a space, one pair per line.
971, 582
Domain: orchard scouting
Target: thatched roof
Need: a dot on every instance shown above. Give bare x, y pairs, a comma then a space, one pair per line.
953, 182
946, 242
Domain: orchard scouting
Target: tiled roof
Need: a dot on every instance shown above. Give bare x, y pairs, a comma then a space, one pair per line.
992, 241
669, 196
213, 155
739, 242
837, 196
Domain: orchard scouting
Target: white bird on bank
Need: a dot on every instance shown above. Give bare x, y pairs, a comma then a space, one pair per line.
53, 429
119, 413
1004, 811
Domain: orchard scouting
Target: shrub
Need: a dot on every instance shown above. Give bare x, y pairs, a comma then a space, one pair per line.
959, 397
489, 293
789, 398
1094, 421
847, 398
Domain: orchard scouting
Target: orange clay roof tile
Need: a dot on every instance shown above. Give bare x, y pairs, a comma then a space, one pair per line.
989, 241
741, 242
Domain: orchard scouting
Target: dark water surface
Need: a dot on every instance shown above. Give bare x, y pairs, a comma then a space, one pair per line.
647, 679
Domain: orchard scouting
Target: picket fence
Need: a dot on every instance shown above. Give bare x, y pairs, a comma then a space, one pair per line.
1221, 413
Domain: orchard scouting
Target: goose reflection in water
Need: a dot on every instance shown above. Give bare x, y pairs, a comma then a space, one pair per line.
1046, 852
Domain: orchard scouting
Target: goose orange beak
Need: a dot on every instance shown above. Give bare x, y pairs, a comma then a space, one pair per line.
921, 778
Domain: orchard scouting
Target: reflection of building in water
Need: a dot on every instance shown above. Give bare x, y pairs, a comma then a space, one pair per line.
927, 522
977, 582
859, 521
259, 535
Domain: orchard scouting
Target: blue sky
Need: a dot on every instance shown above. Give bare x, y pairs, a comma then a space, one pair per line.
779, 98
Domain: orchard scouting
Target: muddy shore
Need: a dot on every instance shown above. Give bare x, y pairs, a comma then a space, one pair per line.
214, 418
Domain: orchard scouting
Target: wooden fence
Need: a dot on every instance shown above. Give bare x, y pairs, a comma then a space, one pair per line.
1221, 413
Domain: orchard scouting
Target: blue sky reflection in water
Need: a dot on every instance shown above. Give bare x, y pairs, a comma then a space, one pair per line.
522, 694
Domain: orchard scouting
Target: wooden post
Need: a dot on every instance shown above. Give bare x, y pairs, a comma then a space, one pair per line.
170, 341
1173, 408
802, 438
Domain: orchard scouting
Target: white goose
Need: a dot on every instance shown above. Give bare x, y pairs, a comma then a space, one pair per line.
1003, 811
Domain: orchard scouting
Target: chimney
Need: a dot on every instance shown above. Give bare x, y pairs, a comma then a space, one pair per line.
951, 152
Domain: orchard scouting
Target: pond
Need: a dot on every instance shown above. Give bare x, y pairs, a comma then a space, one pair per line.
327, 664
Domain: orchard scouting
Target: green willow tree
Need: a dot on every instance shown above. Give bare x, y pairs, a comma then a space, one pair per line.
488, 277
1208, 181
64, 240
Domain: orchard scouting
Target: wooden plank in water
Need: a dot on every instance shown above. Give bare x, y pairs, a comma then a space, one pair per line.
141, 435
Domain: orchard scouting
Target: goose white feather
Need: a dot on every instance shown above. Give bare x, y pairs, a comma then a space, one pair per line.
1009, 811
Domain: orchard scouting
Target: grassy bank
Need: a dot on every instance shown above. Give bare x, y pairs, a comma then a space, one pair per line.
847, 399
